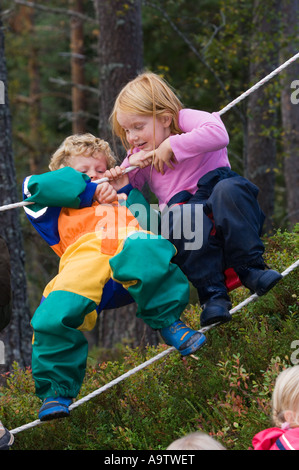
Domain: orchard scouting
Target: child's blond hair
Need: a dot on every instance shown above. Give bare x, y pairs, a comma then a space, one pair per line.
79, 145
148, 95
286, 395
196, 441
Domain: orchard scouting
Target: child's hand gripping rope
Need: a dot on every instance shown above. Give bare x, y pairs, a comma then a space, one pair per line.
101, 192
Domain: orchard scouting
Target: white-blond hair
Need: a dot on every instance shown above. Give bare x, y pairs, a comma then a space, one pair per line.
286, 396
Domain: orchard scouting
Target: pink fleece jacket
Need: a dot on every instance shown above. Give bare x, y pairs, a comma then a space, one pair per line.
277, 439
199, 149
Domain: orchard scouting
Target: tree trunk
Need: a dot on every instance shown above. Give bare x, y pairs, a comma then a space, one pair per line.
290, 107
262, 116
77, 68
120, 53
35, 156
17, 335
120, 59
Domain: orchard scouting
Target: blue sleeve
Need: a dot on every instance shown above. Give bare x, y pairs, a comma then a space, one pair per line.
125, 189
86, 197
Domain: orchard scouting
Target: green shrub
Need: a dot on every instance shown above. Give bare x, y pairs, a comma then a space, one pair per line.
225, 390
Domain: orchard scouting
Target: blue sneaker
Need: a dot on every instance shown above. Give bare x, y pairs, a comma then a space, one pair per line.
54, 407
183, 338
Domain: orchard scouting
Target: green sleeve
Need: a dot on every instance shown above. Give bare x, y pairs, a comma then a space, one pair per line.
148, 218
61, 188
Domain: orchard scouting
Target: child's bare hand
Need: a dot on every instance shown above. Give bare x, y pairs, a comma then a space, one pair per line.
117, 178
106, 194
163, 155
141, 159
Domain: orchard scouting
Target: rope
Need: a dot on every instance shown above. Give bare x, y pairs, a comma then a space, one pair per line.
259, 84
146, 363
27, 203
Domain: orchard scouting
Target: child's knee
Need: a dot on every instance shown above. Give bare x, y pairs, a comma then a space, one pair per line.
227, 187
62, 310
234, 189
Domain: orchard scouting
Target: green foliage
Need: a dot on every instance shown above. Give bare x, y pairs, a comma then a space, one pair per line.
225, 390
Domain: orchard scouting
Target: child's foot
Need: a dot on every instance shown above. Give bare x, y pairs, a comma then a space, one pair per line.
53, 408
6, 439
257, 280
183, 338
215, 311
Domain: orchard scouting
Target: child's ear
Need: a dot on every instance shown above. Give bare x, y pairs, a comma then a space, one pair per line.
166, 120
290, 417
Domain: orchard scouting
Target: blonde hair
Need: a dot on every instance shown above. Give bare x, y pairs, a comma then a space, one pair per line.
285, 395
79, 145
196, 441
148, 95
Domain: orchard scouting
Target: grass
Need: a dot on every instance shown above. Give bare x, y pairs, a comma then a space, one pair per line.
225, 390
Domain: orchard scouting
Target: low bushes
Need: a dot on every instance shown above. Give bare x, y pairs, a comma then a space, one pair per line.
225, 390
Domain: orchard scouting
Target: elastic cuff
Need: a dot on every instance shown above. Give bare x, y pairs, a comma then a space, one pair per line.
56, 390
125, 189
87, 196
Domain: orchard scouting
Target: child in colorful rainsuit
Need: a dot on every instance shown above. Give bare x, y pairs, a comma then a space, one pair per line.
96, 238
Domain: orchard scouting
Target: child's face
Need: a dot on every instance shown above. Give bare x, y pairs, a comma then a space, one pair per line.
94, 166
139, 130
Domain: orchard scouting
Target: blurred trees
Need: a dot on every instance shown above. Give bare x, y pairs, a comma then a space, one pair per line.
77, 67
262, 105
120, 53
16, 337
289, 107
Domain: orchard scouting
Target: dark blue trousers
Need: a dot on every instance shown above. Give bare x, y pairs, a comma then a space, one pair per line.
230, 230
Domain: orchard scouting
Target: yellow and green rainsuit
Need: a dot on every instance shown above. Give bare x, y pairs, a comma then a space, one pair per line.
98, 244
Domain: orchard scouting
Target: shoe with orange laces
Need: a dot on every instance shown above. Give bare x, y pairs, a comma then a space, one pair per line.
54, 407
183, 338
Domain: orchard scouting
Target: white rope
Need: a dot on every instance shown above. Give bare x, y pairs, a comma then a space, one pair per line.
259, 84
146, 363
27, 203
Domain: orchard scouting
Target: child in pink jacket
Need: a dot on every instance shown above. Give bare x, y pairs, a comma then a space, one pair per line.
285, 404
209, 212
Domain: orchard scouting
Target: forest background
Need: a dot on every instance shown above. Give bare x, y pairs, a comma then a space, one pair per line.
63, 63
